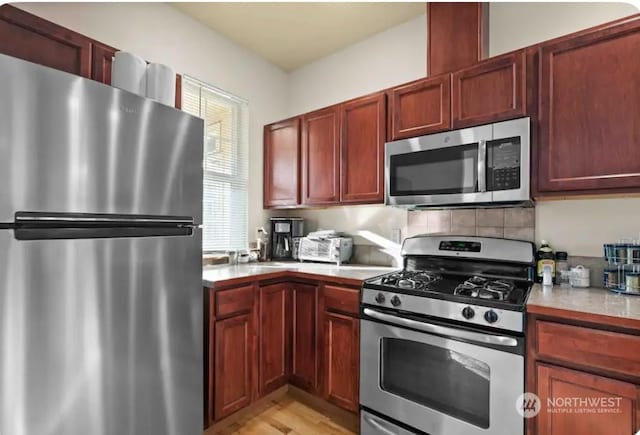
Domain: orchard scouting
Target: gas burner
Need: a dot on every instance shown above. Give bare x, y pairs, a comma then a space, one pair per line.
417, 280
482, 288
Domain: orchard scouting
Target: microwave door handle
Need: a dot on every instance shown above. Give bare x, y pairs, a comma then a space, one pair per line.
477, 337
482, 165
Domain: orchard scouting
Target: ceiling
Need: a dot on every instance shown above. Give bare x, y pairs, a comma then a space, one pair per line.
291, 35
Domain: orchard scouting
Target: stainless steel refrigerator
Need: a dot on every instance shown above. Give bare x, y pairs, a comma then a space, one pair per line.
100, 259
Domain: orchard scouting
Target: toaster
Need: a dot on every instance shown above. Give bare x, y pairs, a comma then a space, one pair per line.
328, 250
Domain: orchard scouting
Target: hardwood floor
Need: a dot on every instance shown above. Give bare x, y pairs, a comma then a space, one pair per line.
285, 414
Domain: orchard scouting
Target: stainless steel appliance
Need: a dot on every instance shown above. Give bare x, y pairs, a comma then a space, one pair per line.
326, 250
283, 232
100, 259
442, 341
485, 165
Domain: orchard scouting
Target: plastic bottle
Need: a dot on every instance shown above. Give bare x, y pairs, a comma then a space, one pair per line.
545, 257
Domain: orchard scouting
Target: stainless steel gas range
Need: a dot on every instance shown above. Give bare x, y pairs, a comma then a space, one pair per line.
442, 341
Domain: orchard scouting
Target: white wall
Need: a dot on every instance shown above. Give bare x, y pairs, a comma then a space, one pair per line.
398, 55
160, 33
389, 58
518, 25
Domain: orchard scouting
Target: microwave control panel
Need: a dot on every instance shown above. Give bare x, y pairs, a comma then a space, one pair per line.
503, 164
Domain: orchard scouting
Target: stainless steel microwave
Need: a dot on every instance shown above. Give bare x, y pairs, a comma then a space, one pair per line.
484, 165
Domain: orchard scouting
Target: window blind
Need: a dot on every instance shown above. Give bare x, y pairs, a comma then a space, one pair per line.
225, 164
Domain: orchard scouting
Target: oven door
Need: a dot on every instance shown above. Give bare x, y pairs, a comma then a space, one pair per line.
439, 379
437, 169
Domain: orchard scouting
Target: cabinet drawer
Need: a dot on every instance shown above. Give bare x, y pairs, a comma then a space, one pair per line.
342, 299
611, 351
234, 301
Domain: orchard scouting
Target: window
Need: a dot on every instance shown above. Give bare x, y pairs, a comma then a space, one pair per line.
225, 164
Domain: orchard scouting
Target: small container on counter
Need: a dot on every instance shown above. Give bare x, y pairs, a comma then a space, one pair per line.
580, 277
562, 264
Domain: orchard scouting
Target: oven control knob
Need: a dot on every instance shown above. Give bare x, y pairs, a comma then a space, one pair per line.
380, 298
468, 313
395, 301
491, 316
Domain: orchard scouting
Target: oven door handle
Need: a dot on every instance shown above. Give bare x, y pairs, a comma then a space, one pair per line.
379, 425
498, 340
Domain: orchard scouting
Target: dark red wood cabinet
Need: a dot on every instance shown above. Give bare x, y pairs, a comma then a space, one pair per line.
420, 107
340, 346
234, 364
321, 157
34, 39
363, 134
274, 337
304, 360
31, 38
588, 112
282, 163
490, 91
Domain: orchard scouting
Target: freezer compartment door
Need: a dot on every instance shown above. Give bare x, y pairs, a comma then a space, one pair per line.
69, 144
101, 337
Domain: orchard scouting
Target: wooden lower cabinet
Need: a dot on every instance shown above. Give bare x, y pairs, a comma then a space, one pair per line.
304, 361
234, 359
274, 337
261, 336
341, 365
619, 414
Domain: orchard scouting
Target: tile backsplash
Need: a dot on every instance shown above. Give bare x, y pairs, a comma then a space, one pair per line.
511, 223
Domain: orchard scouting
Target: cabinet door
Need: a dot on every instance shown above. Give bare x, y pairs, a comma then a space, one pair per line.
274, 337
234, 356
321, 157
304, 361
28, 37
341, 363
101, 62
619, 414
421, 107
363, 127
589, 129
282, 163
491, 91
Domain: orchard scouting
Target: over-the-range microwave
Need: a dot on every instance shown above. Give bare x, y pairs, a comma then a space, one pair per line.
486, 165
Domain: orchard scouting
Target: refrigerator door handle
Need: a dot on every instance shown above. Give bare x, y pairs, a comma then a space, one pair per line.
83, 220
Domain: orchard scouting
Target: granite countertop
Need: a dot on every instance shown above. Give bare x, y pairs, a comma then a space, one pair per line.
212, 275
588, 304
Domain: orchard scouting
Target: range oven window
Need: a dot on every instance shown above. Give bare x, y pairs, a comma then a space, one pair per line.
440, 379
447, 170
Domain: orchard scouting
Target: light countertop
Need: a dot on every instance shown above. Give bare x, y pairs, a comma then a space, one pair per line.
212, 275
589, 304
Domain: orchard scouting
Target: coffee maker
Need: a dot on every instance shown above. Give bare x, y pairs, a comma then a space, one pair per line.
283, 232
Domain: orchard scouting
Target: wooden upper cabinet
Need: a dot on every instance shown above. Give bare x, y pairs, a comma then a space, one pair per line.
304, 364
490, 91
560, 383
588, 117
363, 134
101, 63
282, 163
457, 35
31, 38
274, 337
321, 157
421, 107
